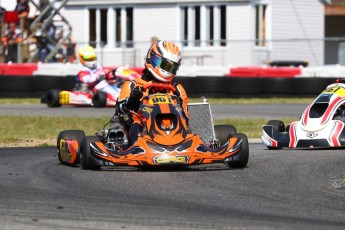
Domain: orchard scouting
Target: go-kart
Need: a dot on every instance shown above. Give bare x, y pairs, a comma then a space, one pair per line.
82, 95
168, 138
320, 126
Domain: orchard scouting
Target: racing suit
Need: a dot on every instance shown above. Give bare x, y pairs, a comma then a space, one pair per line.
96, 78
130, 99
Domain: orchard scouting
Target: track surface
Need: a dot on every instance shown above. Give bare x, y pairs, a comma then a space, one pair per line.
280, 189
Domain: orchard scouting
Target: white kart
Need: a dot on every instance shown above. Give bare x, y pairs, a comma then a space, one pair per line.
320, 126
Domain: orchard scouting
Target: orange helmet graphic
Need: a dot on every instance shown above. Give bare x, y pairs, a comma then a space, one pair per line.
87, 56
163, 60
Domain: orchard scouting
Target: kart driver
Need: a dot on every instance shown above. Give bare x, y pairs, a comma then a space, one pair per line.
161, 64
93, 75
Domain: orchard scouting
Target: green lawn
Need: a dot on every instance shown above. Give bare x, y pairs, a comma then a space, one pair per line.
274, 100
19, 129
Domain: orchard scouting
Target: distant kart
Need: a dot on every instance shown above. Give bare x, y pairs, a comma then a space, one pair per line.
82, 96
166, 139
321, 125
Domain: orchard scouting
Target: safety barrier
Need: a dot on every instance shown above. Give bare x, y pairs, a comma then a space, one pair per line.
36, 86
32, 80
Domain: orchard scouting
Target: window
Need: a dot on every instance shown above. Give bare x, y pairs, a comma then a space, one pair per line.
104, 13
203, 25
129, 23
118, 27
223, 25
92, 27
260, 25
101, 19
184, 37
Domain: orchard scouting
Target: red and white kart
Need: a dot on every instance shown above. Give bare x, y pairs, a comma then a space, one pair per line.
320, 126
81, 95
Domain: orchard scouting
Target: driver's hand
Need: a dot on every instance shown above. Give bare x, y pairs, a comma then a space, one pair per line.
136, 94
101, 77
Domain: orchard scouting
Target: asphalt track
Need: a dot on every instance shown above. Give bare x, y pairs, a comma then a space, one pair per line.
279, 189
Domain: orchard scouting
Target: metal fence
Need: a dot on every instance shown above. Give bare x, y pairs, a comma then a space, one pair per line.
234, 52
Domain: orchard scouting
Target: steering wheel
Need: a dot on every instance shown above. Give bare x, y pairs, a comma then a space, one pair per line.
159, 86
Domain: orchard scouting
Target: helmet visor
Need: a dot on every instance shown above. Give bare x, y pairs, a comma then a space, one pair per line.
89, 58
165, 64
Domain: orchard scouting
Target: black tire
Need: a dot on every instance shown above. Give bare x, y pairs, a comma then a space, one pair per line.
77, 135
99, 99
52, 98
277, 125
87, 161
240, 160
223, 131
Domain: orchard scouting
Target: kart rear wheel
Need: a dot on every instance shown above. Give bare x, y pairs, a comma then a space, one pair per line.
87, 161
277, 125
99, 99
240, 160
77, 135
223, 131
52, 98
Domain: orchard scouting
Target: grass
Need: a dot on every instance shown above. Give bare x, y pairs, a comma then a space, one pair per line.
263, 100
20, 101
21, 129
271, 100
251, 127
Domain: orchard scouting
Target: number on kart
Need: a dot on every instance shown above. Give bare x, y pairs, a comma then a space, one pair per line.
160, 100
340, 91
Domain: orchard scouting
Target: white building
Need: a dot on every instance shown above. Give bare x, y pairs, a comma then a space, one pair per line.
213, 32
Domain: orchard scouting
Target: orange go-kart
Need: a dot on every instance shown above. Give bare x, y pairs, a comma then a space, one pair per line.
167, 138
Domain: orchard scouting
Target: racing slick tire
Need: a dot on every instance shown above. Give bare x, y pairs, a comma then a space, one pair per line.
99, 99
223, 131
52, 98
87, 161
240, 160
277, 125
77, 135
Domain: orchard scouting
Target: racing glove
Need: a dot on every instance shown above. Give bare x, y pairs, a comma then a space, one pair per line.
101, 78
134, 99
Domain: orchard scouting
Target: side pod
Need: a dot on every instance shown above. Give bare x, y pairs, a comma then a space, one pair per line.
274, 139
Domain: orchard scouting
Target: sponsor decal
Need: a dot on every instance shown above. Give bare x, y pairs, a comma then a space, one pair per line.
65, 154
146, 110
338, 90
312, 135
170, 159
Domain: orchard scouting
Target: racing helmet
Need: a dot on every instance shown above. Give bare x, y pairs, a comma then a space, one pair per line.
87, 56
163, 60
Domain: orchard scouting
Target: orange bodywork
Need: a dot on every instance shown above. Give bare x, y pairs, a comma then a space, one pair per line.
146, 152
165, 139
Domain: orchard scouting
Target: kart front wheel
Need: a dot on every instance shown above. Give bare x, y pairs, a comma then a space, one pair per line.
77, 135
223, 131
99, 99
52, 98
87, 161
240, 160
277, 125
